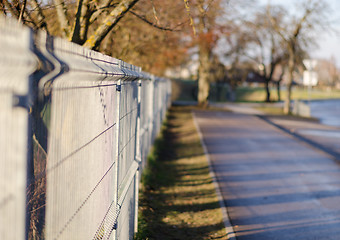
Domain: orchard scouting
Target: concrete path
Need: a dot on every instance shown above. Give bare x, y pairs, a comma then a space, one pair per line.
274, 186
322, 136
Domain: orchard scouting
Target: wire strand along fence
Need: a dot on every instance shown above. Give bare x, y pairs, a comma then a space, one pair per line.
75, 129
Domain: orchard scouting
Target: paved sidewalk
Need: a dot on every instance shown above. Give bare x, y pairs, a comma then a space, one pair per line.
321, 136
326, 138
274, 185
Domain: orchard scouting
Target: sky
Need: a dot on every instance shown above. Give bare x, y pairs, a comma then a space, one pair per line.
329, 43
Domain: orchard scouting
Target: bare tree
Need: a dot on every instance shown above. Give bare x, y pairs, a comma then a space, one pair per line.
296, 33
206, 14
263, 47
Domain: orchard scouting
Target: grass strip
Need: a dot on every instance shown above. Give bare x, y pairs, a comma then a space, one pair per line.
177, 197
258, 94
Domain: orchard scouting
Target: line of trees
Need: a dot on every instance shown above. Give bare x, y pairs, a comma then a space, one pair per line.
161, 34
275, 38
146, 33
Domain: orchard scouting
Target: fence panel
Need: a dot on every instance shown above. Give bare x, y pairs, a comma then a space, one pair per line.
92, 124
17, 63
80, 171
146, 107
128, 127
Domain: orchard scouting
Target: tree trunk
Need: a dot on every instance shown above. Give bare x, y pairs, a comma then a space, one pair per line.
278, 89
204, 59
286, 108
267, 90
278, 86
203, 76
291, 65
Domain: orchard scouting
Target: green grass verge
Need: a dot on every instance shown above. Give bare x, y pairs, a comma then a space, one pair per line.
258, 94
272, 110
177, 197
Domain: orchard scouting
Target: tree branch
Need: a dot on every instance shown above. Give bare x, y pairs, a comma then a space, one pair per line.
151, 23
30, 19
85, 21
275, 25
154, 12
187, 7
13, 10
40, 15
3, 7
302, 20
62, 16
100, 10
77, 25
109, 22
22, 11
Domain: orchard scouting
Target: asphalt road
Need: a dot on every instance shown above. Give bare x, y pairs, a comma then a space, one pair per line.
274, 185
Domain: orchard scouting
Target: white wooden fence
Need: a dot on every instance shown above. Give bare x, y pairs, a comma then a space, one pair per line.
75, 129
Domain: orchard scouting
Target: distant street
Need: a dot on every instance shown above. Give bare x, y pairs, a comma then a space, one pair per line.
274, 185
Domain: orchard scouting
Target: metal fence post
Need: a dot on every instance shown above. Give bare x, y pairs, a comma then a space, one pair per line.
138, 154
116, 167
152, 108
